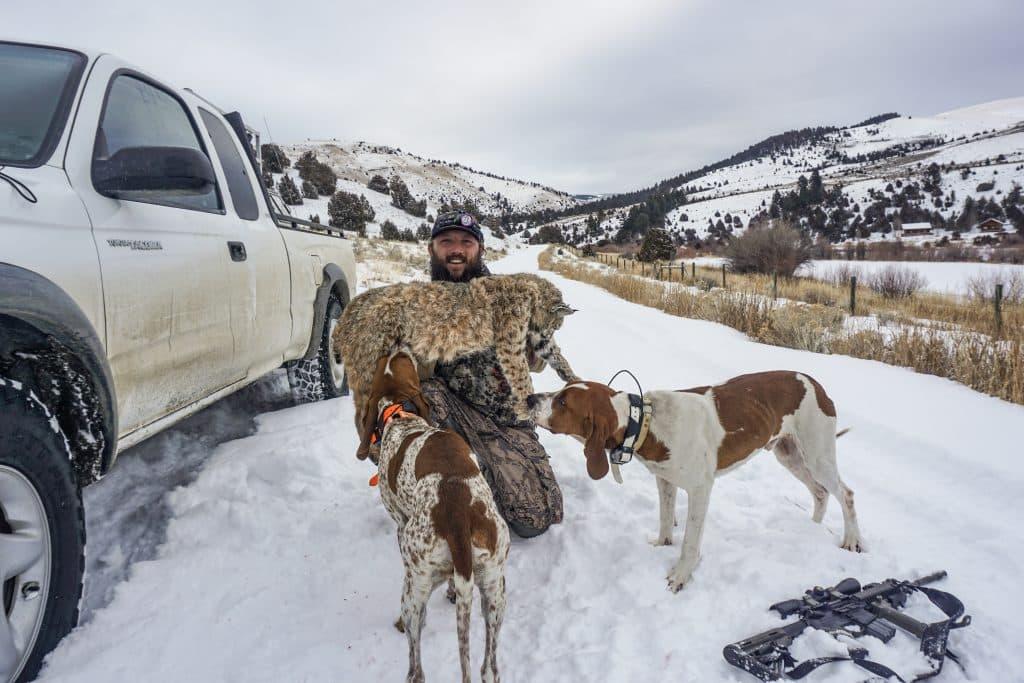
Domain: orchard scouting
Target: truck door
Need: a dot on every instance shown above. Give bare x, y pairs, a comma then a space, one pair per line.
259, 276
164, 256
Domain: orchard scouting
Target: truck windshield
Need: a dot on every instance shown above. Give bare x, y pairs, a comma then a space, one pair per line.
37, 86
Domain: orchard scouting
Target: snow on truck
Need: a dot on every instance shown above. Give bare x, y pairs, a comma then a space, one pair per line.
145, 272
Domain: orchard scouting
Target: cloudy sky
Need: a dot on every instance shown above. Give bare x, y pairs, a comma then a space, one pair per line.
585, 96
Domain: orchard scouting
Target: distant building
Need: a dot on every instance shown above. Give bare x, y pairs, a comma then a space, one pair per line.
912, 229
991, 225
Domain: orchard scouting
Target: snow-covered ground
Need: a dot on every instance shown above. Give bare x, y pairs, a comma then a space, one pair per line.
280, 564
942, 277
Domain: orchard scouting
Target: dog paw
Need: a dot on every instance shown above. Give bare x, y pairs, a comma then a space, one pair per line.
676, 584
855, 545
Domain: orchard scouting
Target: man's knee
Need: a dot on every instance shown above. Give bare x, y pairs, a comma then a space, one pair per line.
527, 530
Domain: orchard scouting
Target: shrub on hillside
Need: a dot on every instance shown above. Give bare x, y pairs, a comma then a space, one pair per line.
318, 173
309, 190
779, 249
349, 212
389, 231
547, 234
379, 183
274, 158
289, 193
896, 282
423, 232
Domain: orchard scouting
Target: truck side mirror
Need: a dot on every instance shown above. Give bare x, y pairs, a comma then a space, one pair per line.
180, 170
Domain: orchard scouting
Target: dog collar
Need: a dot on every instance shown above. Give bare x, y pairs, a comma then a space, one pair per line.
639, 423
404, 409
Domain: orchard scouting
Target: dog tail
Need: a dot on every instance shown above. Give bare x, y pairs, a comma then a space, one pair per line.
841, 432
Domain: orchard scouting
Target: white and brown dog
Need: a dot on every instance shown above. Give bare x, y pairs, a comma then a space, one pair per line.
448, 525
688, 437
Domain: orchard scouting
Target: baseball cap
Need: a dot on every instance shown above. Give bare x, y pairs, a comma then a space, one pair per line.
457, 220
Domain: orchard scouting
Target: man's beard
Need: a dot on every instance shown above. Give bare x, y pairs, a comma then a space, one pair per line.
472, 269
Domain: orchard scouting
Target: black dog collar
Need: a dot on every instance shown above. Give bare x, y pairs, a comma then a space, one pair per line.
640, 411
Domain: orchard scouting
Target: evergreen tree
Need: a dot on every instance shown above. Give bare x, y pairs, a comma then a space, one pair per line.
349, 212
309, 190
815, 189
657, 246
389, 231
423, 232
289, 193
378, 184
274, 158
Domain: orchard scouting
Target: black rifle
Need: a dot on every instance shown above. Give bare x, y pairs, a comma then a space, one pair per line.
850, 609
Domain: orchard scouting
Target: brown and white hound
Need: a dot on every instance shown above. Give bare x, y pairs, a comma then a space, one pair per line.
448, 525
694, 435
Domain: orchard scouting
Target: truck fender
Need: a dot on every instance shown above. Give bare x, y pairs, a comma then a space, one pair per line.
334, 283
46, 340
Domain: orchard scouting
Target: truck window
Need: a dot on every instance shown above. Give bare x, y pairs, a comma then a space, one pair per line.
139, 114
239, 185
38, 85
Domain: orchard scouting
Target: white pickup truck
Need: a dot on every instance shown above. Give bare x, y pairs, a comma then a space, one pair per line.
145, 272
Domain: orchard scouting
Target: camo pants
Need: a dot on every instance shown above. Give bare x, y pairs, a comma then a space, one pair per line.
511, 458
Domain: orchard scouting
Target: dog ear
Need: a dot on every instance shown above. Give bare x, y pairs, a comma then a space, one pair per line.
369, 424
597, 457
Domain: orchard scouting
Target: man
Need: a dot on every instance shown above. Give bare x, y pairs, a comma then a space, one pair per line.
472, 397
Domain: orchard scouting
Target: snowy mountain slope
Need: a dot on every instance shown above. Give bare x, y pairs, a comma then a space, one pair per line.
434, 180
986, 141
280, 564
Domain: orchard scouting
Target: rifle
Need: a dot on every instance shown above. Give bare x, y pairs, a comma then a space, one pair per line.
850, 609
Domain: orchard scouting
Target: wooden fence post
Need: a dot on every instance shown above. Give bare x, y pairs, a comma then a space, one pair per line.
998, 300
693, 272
723, 276
775, 284
853, 295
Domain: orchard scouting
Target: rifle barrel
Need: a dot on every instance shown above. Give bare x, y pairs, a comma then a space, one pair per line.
931, 578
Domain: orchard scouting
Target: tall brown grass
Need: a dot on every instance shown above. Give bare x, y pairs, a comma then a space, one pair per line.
932, 334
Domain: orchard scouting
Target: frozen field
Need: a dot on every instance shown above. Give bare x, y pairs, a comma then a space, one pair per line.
280, 564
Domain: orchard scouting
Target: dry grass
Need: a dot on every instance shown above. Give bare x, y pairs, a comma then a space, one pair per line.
932, 334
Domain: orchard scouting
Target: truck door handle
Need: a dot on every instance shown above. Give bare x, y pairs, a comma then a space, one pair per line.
237, 251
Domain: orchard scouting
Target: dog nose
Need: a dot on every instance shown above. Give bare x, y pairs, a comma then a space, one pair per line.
531, 401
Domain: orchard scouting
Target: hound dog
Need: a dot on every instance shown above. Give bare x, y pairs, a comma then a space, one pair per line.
448, 525
686, 438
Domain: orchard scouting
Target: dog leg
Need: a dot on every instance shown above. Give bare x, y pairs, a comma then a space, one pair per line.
491, 584
821, 462
788, 452
463, 606
415, 593
666, 511
696, 511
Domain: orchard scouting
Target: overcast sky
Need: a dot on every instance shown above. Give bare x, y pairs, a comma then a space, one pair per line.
584, 96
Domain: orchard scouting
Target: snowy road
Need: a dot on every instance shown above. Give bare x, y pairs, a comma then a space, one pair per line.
280, 564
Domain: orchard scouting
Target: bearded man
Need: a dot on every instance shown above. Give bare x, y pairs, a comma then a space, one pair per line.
472, 397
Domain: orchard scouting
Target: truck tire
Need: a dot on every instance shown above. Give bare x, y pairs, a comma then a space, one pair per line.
322, 376
42, 534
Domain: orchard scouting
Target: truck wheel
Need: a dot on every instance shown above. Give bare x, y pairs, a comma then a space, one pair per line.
322, 376
42, 534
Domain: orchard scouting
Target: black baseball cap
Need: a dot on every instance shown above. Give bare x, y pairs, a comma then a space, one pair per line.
457, 220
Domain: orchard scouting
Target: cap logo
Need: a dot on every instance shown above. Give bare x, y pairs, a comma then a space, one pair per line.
466, 220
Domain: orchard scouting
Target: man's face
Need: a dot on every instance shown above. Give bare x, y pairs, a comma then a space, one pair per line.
454, 254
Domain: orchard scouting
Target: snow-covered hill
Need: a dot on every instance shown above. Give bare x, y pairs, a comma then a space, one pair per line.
973, 146
432, 179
